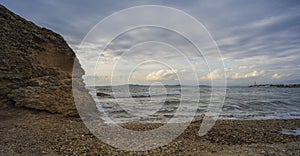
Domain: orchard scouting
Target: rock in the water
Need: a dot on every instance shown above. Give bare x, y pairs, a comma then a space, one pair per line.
36, 67
102, 94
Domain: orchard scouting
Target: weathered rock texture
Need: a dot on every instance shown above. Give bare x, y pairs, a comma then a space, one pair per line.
35, 67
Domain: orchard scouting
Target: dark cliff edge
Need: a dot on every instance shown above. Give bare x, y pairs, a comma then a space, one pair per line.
36, 67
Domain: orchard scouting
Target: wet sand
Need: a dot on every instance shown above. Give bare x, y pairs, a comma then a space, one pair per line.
30, 132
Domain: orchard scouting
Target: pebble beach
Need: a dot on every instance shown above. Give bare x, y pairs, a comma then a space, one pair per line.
24, 132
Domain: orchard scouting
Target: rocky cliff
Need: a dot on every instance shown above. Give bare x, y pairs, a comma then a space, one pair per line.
36, 67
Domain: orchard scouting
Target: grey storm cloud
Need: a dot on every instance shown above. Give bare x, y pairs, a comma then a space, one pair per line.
263, 34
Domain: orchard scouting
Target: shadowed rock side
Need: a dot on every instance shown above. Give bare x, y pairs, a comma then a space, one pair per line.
36, 67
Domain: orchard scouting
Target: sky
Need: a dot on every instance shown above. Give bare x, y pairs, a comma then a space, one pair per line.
259, 41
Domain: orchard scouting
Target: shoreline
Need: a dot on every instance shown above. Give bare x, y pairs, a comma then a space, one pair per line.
26, 131
200, 117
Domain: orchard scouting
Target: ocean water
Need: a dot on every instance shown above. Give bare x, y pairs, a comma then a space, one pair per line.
131, 103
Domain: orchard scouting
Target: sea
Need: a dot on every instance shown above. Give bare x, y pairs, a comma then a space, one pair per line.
177, 103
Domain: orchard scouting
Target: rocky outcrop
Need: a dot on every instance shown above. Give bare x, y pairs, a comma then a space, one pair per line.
36, 67
277, 85
102, 94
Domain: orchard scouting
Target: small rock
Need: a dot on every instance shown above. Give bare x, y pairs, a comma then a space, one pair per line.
102, 94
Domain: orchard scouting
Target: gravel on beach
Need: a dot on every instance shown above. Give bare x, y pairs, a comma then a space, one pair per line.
29, 132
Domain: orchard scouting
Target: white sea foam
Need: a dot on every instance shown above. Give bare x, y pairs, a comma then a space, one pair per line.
295, 132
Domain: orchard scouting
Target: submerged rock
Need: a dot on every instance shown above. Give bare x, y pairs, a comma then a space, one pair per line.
36, 67
102, 94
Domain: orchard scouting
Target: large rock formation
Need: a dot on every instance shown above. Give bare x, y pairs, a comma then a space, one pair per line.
36, 67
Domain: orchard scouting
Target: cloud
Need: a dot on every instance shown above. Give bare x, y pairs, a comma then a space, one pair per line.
216, 74
247, 75
276, 76
257, 32
162, 75
246, 67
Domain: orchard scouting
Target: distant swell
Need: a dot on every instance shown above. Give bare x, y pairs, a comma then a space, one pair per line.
147, 95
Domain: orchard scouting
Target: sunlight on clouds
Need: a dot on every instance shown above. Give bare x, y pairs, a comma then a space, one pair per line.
246, 67
276, 76
216, 74
162, 75
247, 75
228, 69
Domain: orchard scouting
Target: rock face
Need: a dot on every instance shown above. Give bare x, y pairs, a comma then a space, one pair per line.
35, 67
